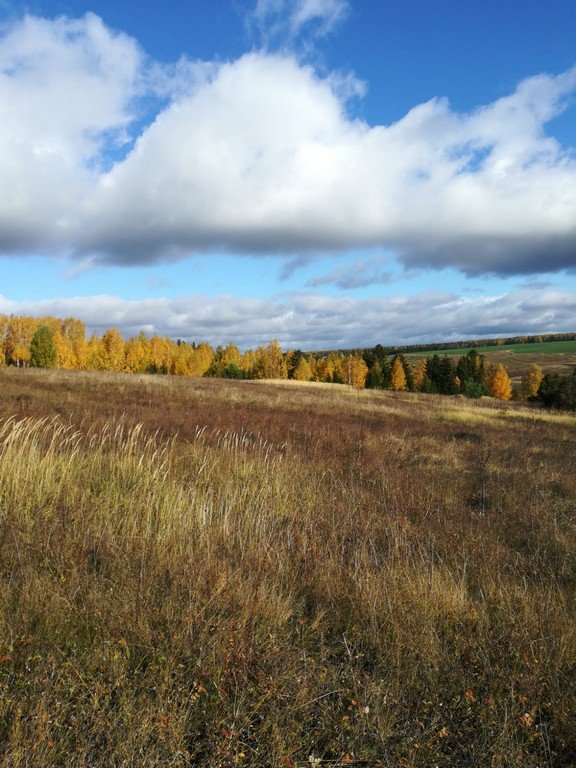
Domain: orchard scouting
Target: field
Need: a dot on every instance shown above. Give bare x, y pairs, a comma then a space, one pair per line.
198, 572
541, 348
564, 348
552, 357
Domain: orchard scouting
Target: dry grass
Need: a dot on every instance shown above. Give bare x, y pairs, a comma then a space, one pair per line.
221, 573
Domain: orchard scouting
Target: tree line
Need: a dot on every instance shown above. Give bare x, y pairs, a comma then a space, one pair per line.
50, 342
441, 346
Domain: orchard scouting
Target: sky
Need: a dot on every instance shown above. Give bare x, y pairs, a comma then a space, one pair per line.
326, 173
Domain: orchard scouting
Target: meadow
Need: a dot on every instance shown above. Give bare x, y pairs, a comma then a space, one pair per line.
535, 348
201, 572
552, 357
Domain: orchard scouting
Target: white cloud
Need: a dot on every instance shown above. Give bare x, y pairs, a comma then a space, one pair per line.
263, 158
247, 163
65, 93
260, 155
310, 321
284, 20
327, 12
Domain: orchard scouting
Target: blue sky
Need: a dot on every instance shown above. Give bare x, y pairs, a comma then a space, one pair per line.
323, 172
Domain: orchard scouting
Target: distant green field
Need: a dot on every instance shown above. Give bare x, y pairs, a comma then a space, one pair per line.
568, 347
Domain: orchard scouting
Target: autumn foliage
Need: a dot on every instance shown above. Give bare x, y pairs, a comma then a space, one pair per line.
156, 354
398, 376
532, 380
71, 349
500, 384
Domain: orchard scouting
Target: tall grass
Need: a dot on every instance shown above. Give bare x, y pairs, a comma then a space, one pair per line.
225, 597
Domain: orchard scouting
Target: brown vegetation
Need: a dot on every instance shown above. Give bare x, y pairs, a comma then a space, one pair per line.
214, 573
518, 365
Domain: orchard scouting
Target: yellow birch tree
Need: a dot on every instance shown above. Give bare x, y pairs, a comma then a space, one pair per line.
135, 356
95, 354
353, 371
531, 380
74, 331
201, 360
303, 370
500, 384
159, 351
114, 350
270, 363
248, 363
18, 337
324, 368
4, 321
65, 357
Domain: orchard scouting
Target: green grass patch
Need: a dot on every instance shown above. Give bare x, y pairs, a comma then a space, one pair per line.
550, 347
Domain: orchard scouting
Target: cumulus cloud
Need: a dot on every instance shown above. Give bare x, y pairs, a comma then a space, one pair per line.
360, 274
261, 156
65, 93
310, 321
69, 95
